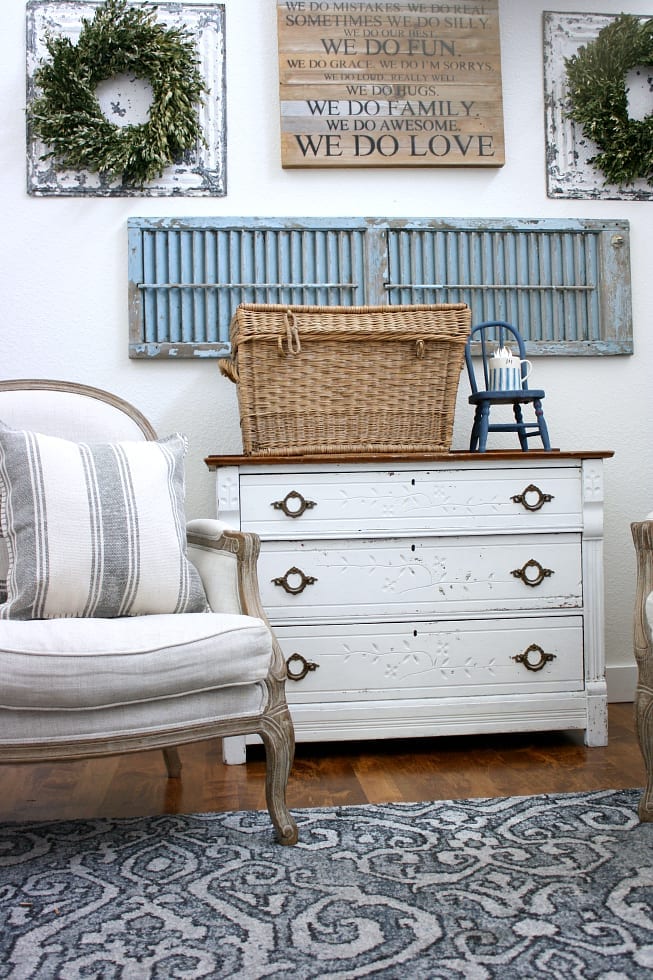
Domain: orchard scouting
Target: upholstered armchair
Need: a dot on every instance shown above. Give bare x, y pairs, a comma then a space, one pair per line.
122, 629
643, 538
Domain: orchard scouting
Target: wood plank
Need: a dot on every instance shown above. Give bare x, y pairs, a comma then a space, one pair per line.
399, 84
329, 774
213, 461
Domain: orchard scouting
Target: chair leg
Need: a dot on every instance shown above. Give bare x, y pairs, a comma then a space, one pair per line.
539, 414
644, 721
643, 647
483, 428
279, 739
521, 428
173, 762
473, 442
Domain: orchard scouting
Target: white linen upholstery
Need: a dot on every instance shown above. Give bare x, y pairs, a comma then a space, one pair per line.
93, 663
77, 413
168, 719
216, 567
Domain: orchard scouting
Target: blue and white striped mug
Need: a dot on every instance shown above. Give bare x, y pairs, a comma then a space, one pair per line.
506, 375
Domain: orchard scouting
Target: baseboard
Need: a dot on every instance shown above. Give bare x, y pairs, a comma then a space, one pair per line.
621, 681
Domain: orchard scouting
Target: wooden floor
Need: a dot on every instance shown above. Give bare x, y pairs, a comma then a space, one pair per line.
329, 774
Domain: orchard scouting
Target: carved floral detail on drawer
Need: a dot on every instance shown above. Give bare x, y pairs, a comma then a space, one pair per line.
402, 501
440, 657
427, 574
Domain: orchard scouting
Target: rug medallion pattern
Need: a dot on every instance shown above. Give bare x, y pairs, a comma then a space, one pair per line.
544, 886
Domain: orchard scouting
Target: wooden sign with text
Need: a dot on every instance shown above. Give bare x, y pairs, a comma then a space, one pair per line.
390, 83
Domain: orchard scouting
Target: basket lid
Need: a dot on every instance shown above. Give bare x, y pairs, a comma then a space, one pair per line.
259, 320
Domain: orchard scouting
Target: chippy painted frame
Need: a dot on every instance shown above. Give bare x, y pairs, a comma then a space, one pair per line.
202, 172
188, 274
569, 175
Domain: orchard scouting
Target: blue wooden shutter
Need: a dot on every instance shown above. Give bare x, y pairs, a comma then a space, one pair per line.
564, 284
187, 276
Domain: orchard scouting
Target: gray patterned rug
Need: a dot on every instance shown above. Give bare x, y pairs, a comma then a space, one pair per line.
542, 886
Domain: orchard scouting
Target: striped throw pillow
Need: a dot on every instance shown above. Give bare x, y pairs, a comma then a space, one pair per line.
95, 530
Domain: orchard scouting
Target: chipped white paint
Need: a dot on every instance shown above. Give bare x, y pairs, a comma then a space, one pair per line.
569, 174
125, 100
202, 171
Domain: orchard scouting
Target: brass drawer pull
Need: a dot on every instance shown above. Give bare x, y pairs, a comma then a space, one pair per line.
532, 580
299, 504
532, 664
540, 498
304, 580
305, 668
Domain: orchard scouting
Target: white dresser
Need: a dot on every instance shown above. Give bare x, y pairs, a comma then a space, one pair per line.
450, 594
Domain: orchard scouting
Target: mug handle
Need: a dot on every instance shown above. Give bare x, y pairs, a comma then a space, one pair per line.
528, 372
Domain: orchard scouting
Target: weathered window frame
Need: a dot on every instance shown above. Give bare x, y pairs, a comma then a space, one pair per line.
564, 283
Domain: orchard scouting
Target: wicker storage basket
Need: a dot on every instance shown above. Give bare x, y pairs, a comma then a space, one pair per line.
335, 379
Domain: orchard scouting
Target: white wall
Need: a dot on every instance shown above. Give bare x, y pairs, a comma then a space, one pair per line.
63, 296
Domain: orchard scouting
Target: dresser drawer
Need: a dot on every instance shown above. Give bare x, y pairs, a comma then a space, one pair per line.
427, 659
345, 502
389, 578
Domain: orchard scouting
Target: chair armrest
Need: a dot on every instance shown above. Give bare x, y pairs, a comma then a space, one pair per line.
226, 560
206, 527
642, 532
227, 563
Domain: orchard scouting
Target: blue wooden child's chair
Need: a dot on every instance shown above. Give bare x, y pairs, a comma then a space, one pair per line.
493, 334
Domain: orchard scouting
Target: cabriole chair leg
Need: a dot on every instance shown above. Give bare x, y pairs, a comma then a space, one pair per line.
278, 738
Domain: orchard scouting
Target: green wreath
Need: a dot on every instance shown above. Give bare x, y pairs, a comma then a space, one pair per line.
67, 115
599, 99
